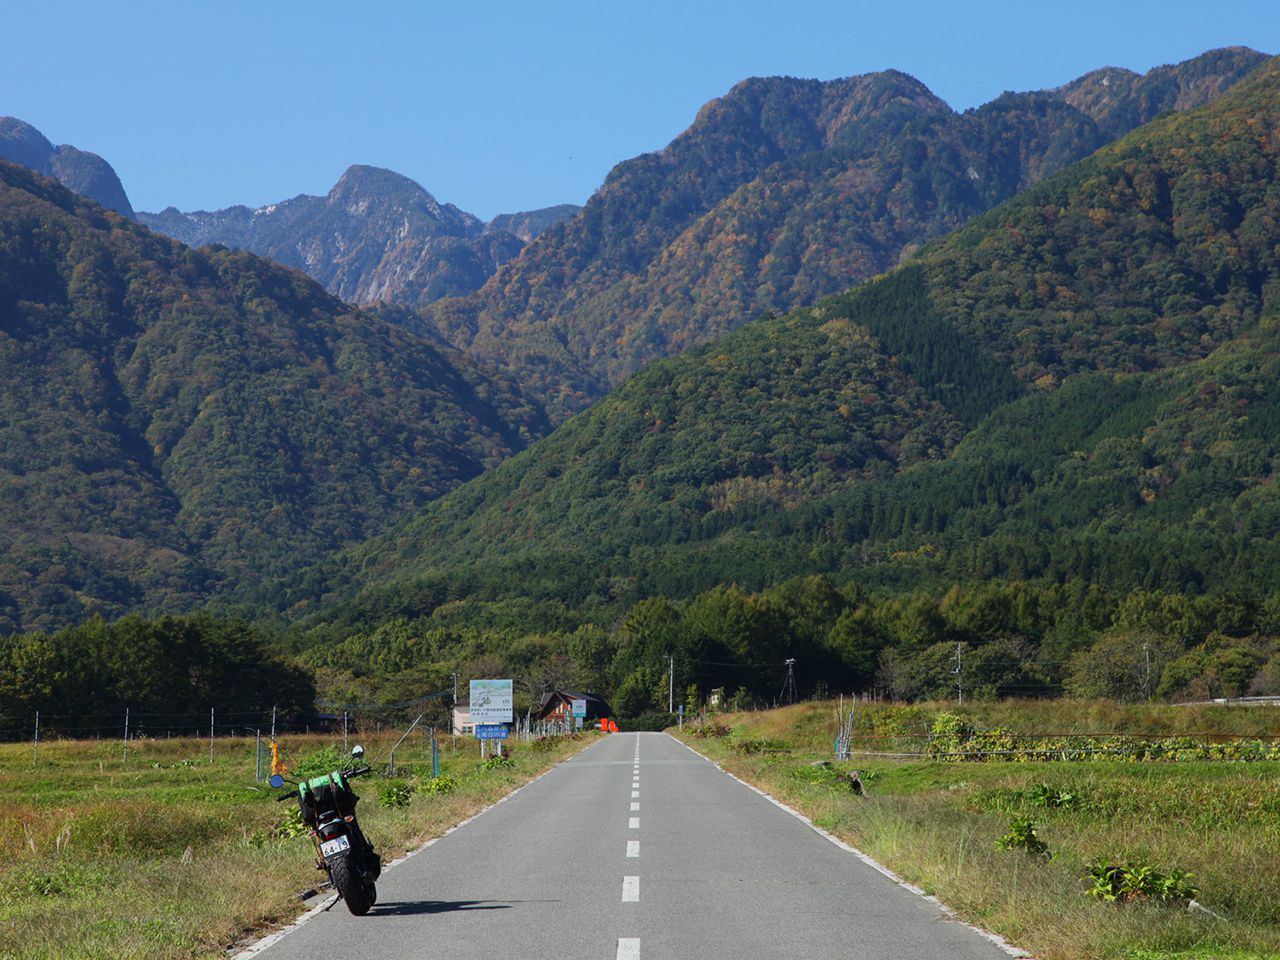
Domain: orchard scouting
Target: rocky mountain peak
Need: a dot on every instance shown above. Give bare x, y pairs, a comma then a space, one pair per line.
363, 189
78, 170
90, 176
22, 143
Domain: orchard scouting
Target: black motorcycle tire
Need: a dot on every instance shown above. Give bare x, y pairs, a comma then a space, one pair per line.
350, 886
372, 891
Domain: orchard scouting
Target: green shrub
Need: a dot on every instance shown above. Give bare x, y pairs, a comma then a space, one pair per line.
290, 825
1043, 795
948, 734
497, 762
1022, 836
1131, 882
438, 785
396, 794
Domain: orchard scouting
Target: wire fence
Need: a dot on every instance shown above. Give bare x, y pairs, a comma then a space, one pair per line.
202, 736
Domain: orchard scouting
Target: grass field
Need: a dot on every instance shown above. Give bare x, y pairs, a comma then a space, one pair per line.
162, 855
936, 822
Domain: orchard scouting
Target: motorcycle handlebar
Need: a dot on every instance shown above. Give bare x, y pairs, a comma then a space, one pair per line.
354, 772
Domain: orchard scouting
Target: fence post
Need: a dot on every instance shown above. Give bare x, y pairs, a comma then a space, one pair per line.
344, 732
257, 771
211, 736
35, 757
126, 734
435, 754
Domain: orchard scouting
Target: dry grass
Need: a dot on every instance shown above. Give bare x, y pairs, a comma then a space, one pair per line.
936, 823
150, 858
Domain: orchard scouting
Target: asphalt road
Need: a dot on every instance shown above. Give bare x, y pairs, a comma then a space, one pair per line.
637, 848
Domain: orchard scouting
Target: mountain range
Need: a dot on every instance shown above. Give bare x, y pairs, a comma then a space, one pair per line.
181, 423
1079, 384
376, 237
780, 192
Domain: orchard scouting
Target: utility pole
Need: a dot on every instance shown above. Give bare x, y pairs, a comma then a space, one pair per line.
671, 684
959, 672
455, 689
789, 685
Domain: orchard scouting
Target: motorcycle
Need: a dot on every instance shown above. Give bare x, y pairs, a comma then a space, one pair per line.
328, 807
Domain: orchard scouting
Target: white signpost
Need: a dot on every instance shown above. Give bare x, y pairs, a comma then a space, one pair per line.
490, 704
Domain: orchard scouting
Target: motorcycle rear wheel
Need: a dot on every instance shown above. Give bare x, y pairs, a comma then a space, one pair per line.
350, 886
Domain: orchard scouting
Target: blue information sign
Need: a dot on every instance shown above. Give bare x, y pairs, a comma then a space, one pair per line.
491, 731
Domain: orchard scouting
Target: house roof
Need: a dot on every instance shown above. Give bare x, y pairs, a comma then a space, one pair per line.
595, 703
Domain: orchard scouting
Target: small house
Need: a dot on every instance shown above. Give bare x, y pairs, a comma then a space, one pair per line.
462, 719
558, 705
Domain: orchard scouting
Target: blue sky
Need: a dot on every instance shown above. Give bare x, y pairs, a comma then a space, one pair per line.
500, 106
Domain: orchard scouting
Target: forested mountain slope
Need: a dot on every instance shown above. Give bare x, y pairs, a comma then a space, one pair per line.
176, 421
1058, 385
780, 192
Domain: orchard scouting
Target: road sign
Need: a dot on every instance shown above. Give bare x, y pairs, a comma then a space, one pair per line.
490, 701
491, 731
579, 708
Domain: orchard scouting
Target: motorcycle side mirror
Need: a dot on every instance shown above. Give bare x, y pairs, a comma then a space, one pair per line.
276, 780
357, 752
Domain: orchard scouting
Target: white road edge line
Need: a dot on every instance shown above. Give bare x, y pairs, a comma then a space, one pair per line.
630, 889
628, 948
633, 848
994, 938
255, 948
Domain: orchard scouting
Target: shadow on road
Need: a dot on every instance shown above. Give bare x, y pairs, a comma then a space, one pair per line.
412, 907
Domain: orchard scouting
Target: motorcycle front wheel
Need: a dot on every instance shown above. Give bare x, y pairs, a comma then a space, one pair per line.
347, 881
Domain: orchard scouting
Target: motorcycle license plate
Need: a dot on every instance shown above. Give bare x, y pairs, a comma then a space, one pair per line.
336, 845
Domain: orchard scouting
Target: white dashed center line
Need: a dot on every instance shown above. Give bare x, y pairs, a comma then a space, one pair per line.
630, 889
628, 948
634, 824
635, 805
633, 848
